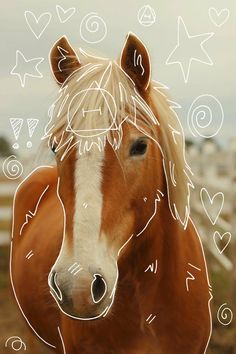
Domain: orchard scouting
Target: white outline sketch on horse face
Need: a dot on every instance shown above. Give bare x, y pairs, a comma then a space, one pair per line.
77, 111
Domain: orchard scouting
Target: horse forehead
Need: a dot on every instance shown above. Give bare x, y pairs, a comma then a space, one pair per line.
88, 169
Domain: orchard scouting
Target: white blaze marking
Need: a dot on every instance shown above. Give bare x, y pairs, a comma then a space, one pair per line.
87, 221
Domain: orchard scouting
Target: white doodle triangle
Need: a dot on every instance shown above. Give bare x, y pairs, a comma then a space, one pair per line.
16, 124
32, 124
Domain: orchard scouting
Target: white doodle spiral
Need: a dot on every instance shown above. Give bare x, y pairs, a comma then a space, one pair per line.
16, 343
93, 28
205, 116
12, 168
224, 315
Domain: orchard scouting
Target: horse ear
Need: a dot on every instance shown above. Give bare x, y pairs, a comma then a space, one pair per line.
135, 62
63, 60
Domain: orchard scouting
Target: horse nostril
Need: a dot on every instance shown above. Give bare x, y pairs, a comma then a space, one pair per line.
54, 286
99, 288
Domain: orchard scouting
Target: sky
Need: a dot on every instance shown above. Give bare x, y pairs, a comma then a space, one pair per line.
206, 35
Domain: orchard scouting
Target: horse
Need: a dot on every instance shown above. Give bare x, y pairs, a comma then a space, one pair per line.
105, 257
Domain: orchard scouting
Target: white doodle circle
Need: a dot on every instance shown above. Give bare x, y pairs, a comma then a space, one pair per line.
93, 28
15, 146
12, 168
146, 16
16, 343
205, 116
224, 315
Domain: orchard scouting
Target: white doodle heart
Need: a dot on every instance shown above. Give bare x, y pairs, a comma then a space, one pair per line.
64, 15
212, 206
222, 241
218, 18
37, 25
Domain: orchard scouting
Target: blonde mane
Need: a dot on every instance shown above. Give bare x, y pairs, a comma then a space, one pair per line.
91, 107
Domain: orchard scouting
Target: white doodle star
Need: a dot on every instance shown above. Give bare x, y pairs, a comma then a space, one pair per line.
26, 67
188, 49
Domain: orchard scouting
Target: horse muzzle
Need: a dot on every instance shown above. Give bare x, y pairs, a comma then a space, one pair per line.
81, 294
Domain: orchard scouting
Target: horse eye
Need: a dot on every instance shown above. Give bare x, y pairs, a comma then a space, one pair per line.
139, 147
53, 148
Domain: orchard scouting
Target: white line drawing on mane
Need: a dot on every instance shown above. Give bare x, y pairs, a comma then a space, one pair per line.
103, 83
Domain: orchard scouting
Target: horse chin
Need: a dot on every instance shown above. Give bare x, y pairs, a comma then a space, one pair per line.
68, 309
85, 316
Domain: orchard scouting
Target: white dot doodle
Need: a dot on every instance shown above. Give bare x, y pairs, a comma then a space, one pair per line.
221, 241
205, 116
16, 343
93, 28
12, 168
38, 24
146, 16
218, 18
64, 15
224, 315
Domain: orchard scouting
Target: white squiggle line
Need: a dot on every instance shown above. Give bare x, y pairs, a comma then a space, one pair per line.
189, 278
122, 88
151, 267
172, 173
124, 245
33, 213
208, 282
61, 51
62, 341
191, 265
138, 61
10, 265
104, 80
157, 200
